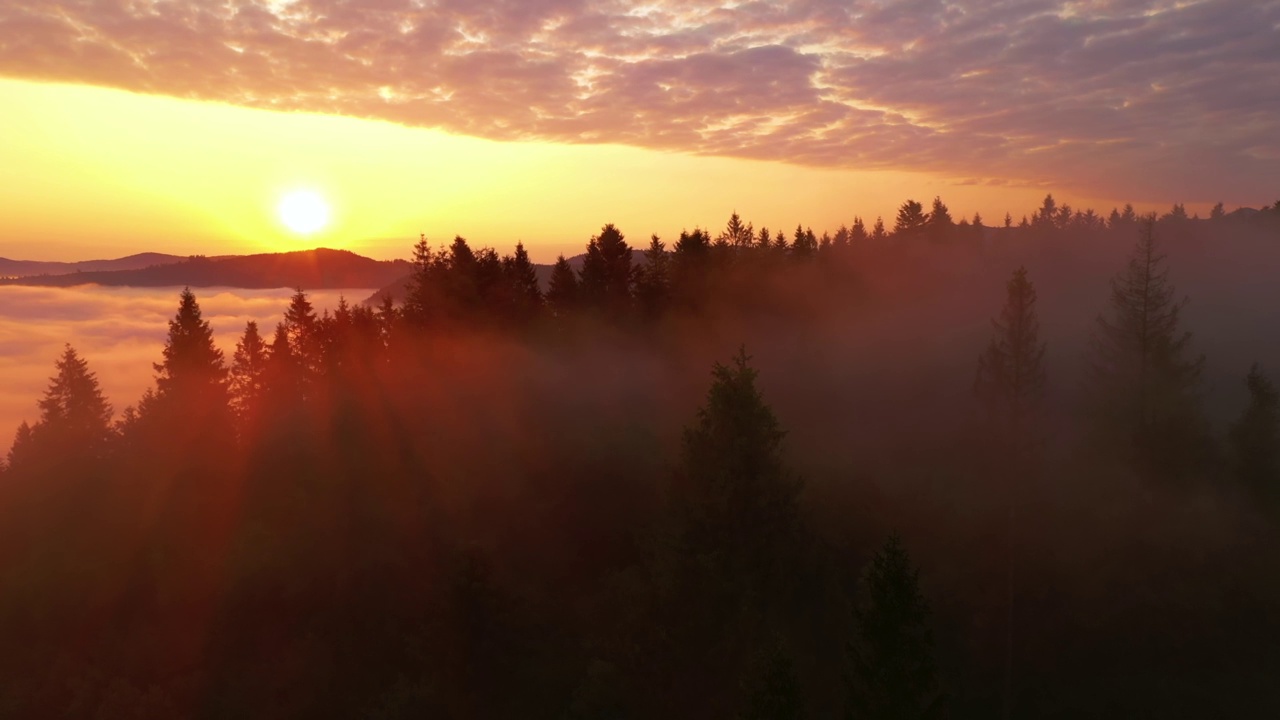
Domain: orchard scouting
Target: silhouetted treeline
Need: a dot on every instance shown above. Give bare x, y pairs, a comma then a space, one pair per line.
965, 471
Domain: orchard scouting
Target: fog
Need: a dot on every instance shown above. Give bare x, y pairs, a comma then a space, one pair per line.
552, 451
120, 331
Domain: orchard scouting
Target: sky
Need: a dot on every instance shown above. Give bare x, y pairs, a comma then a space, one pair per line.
178, 125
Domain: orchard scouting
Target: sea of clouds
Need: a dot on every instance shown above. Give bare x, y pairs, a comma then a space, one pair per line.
120, 331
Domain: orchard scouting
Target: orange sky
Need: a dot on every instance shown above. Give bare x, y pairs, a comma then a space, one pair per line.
94, 172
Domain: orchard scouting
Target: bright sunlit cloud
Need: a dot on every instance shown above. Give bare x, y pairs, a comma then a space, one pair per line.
304, 211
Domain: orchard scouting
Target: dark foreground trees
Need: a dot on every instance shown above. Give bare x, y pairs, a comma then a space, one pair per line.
893, 674
1144, 380
454, 509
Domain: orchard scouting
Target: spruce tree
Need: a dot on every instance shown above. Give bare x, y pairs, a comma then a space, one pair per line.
605, 281
653, 283
522, 280
21, 451
192, 369
878, 233
858, 233
892, 671
188, 418
1255, 437
1011, 377
562, 290
737, 500
911, 219
248, 369
1144, 382
75, 418
422, 296
1010, 384
940, 222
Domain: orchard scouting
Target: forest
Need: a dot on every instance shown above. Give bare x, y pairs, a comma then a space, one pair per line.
942, 469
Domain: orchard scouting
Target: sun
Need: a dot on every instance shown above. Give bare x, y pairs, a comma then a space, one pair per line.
303, 211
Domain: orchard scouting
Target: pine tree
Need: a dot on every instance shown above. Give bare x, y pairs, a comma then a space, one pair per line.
736, 233
940, 222
248, 369
1010, 383
522, 279
605, 281
192, 369
1011, 377
422, 296
803, 243
878, 233
1046, 218
282, 376
858, 233
911, 219
653, 284
772, 688
1144, 384
21, 451
1217, 213
1255, 436
562, 290
737, 499
305, 339
892, 671
75, 418
189, 414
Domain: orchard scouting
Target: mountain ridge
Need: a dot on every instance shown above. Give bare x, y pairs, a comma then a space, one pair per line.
315, 269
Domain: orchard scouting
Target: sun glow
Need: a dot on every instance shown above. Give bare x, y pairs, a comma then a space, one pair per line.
303, 211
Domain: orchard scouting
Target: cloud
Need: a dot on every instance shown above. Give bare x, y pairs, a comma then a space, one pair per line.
1152, 99
119, 331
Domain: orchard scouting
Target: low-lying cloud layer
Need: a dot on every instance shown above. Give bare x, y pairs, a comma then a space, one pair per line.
1158, 99
120, 331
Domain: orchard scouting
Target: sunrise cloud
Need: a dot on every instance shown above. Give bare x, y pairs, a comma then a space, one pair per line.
1159, 98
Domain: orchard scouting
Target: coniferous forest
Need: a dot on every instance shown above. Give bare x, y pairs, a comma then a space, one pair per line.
936, 469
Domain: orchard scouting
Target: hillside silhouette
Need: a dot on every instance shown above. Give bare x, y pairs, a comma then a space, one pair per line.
26, 268
319, 269
930, 469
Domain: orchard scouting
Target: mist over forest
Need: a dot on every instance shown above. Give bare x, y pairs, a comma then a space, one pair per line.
924, 467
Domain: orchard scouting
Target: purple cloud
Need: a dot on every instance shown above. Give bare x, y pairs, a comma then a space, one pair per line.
1151, 99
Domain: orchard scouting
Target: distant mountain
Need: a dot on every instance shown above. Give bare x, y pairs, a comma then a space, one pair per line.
400, 286
308, 269
24, 268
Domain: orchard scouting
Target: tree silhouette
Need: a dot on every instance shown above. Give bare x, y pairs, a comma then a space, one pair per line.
75, 418
803, 243
247, 374
522, 279
653, 286
605, 281
878, 233
22, 450
192, 369
892, 671
1010, 384
737, 233
911, 220
1145, 387
1255, 436
1011, 377
736, 498
940, 223
562, 290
